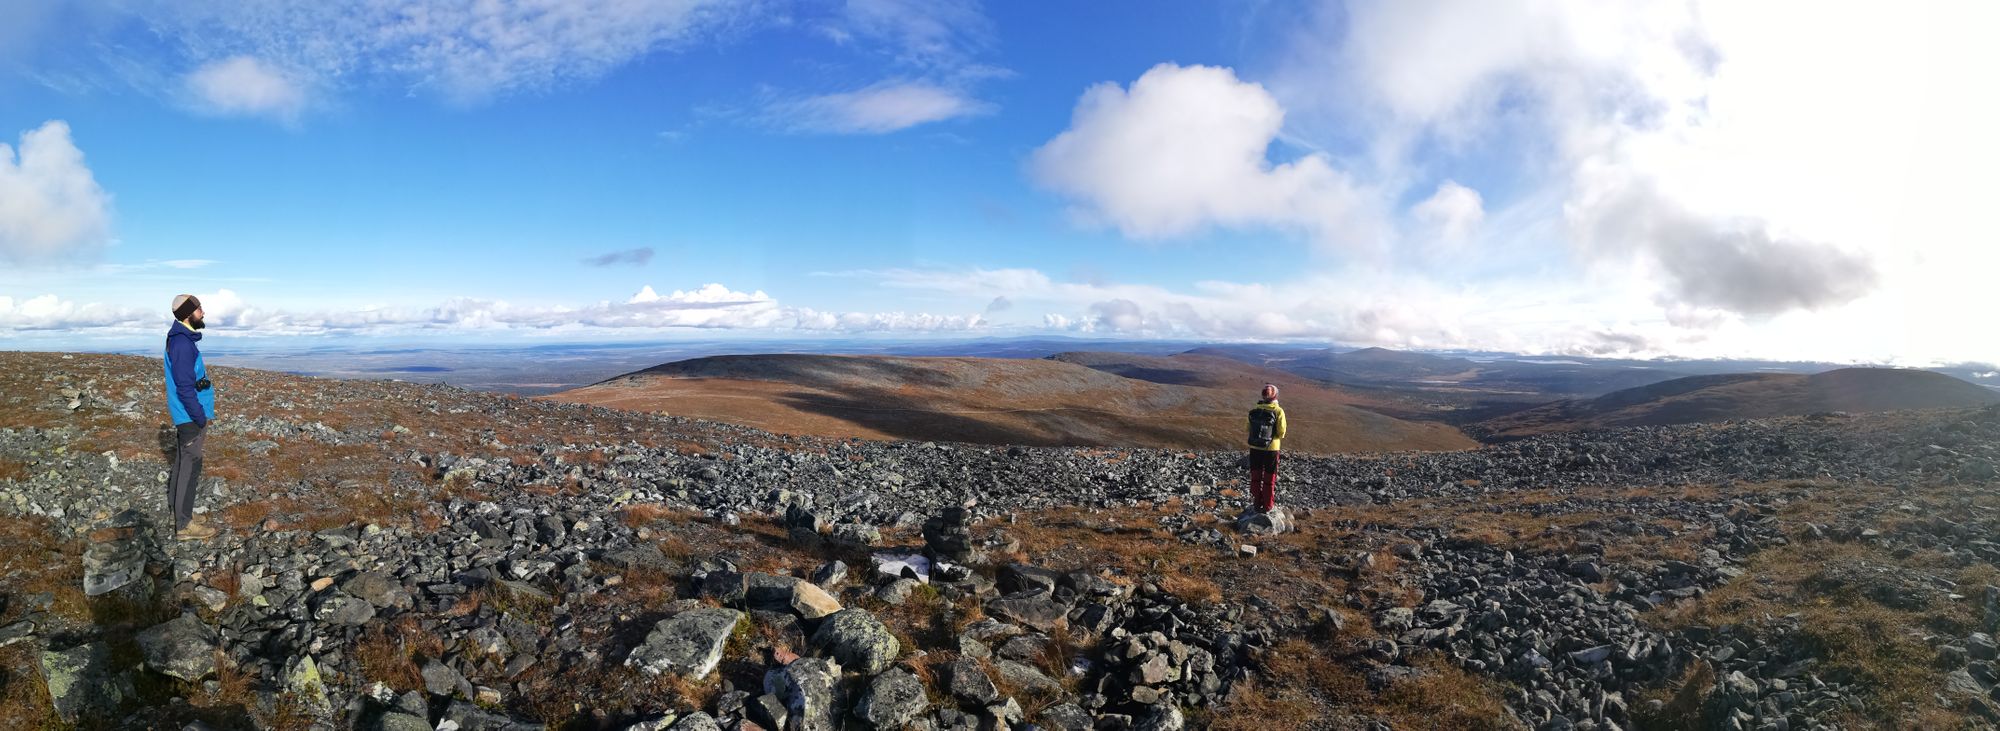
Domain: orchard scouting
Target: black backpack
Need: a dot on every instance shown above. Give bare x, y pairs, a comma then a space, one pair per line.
1263, 427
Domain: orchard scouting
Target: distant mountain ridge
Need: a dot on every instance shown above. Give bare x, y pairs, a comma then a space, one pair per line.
1746, 396
1357, 366
1077, 399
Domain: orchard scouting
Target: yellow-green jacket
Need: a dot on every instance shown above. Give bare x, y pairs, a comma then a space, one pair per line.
1278, 435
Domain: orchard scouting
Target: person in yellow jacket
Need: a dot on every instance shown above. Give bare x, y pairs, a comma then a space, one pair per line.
1267, 432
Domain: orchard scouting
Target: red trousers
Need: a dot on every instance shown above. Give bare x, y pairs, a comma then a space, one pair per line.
1263, 479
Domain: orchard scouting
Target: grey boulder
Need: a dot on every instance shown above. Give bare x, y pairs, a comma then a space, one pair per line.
689, 644
182, 648
892, 700
810, 690
857, 640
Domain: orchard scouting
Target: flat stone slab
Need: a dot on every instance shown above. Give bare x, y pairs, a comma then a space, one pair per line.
689, 644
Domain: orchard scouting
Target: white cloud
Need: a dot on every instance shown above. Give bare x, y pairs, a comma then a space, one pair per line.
1737, 266
712, 307
1452, 214
1186, 148
1746, 164
244, 86
1700, 178
49, 312
708, 294
1357, 306
51, 207
884, 107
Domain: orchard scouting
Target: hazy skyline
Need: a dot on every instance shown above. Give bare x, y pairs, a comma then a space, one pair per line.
1790, 181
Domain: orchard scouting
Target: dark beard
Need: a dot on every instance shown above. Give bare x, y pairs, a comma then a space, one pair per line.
195, 323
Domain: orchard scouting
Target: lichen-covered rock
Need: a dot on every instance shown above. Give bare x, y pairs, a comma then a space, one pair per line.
81, 682
857, 640
892, 699
970, 684
810, 689
689, 644
304, 682
182, 648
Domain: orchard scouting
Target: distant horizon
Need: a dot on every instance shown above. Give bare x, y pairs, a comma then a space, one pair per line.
848, 345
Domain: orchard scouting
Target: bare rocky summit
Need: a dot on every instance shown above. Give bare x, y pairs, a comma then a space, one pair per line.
395, 556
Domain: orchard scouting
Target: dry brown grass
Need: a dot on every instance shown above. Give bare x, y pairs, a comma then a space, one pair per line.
1303, 681
1881, 650
1191, 588
35, 560
643, 586
639, 515
566, 697
13, 470
24, 700
390, 653
930, 670
228, 580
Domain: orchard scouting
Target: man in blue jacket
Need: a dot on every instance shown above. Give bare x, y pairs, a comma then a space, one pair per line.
191, 401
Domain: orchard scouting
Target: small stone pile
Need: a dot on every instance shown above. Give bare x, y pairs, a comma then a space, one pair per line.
948, 536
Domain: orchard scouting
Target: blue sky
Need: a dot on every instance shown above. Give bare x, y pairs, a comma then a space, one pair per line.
1650, 179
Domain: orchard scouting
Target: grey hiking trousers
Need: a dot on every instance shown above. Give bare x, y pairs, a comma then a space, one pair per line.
186, 472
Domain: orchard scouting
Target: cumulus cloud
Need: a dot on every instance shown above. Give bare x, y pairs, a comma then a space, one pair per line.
1738, 266
1709, 144
51, 207
244, 86
1185, 148
1452, 214
881, 108
49, 312
628, 257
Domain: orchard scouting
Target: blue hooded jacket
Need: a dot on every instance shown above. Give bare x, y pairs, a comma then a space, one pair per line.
184, 369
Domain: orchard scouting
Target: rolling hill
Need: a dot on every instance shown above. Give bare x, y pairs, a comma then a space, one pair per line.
1122, 400
1745, 396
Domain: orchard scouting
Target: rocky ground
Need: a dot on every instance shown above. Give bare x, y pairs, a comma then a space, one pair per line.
423, 557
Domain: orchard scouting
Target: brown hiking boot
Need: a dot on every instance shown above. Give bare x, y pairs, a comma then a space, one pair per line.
196, 529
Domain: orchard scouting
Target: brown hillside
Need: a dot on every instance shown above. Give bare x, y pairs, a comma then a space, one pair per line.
994, 401
1747, 396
